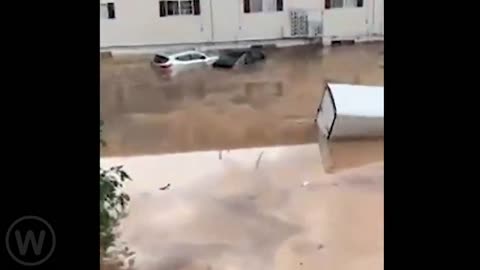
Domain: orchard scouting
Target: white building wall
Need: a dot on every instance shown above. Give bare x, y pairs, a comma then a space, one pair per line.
378, 21
138, 23
354, 23
273, 25
345, 22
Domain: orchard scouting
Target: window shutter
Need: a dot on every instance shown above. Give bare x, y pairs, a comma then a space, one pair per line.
163, 9
196, 7
111, 10
279, 5
246, 6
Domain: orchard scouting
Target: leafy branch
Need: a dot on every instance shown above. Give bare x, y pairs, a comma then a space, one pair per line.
113, 202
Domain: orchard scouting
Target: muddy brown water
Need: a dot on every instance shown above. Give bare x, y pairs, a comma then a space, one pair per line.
241, 219
273, 103
223, 214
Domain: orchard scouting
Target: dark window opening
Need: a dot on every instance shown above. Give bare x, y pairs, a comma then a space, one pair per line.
279, 5
196, 7
343, 3
334, 4
111, 10
172, 8
160, 59
246, 6
179, 7
186, 7
250, 6
163, 9
327, 4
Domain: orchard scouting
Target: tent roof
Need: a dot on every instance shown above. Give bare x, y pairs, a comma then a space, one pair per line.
358, 100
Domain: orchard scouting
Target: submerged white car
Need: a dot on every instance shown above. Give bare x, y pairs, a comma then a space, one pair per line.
171, 63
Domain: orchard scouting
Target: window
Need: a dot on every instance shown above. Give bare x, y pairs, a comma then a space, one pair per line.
179, 7
186, 7
197, 56
107, 11
353, 3
160, 59
172, 8
251, 6
185, 57
343, 3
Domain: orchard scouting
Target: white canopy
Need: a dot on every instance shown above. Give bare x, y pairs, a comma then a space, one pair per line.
351, 111
358, 100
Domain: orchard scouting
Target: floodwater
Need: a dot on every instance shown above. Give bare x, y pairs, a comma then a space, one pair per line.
257, 208
221, 211
271, 104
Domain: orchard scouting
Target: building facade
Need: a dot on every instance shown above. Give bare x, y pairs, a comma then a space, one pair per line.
156, 23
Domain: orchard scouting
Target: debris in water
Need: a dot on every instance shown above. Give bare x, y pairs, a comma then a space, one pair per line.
320, 246
305, 183
165, 187
257, 164
220, 155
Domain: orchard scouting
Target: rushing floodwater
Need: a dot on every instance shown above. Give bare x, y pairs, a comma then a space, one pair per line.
236, 213
221, 213
270, 104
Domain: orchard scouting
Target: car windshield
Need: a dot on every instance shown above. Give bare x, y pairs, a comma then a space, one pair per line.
160, 59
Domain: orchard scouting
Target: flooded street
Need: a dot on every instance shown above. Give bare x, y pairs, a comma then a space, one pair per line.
269, 206
272, 104
228, 213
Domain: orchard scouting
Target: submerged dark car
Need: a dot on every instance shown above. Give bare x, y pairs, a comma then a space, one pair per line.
233, 58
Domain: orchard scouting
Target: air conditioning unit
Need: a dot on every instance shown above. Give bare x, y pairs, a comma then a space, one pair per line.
298, 23
305, 23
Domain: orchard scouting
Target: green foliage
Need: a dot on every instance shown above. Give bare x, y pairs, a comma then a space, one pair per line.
112, 202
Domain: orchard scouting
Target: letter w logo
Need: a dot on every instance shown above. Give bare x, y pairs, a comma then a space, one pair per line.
30, 237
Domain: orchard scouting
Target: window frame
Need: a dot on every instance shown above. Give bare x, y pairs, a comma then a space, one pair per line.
328, 4
279, 7
163, 8
111, 13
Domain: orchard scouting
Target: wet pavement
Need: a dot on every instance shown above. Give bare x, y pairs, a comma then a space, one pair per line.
271, 104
